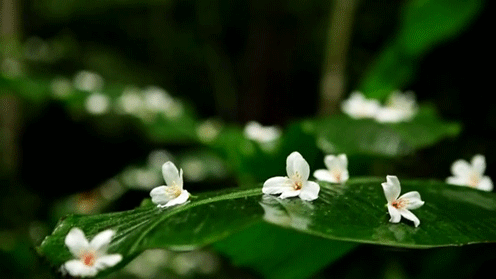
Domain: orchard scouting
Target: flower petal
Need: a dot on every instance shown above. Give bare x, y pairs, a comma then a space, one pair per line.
485, 184
289, 193
330, 161
171, 174
345, 175
310, 191
461, 168
324, 175
295, 163
394, 213
479, 164
413, 199
77, 268
277, 185
160, 195
182, 198
102, 240
391, 188
107, 261
410, 216
76, 241
456, 180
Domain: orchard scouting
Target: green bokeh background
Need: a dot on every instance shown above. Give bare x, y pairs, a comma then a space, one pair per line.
234, 61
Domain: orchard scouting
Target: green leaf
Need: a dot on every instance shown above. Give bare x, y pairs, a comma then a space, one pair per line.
342, 134
423, 25
354, 211
279, 253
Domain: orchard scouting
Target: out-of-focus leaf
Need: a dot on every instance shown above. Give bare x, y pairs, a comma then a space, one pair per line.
281, 253
342, 134
423, 25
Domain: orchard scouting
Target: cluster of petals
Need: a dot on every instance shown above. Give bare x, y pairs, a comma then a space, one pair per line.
399, 107
90, 256
337, 169
471, 174
144, 103
357, 106
172, 193
400, 206
296, 182
262, 134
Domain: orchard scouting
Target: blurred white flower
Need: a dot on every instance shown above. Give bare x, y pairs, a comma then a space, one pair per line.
158, 157
399, 107
296, 183
208, 130
400, 206
97, 103
172, 193
88, 81
91, 257
131, 101
61, 87
254, 131
337, 169
472, 175
357, 106
157, 99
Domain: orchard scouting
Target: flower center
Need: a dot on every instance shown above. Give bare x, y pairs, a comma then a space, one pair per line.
399, 204
173, 190
297, 185
337, 175
88, 258
474, 180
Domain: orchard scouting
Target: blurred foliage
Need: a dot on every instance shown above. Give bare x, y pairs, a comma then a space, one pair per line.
226, 63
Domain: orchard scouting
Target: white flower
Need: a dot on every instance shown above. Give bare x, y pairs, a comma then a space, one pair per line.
130, 101
471, 174
400, 206
172, 193
254, 131
400, 107
337, 169
88, 81
357, 106
157, 99
208, 130
296, 183
97, 103
91, 256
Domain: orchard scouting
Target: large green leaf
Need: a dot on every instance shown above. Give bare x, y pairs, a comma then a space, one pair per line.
342, 134
354, 211
280, 253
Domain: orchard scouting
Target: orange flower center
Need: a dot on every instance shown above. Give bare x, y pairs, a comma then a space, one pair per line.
474, 180
88, 258
398, 204
297, 185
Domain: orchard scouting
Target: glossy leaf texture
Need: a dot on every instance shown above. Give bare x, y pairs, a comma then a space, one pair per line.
354, 212
342, 134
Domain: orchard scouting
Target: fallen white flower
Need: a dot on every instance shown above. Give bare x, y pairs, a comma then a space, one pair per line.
91, 257
296, 183
357, 106
337, 169
172, 193
400, 206
471, 174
